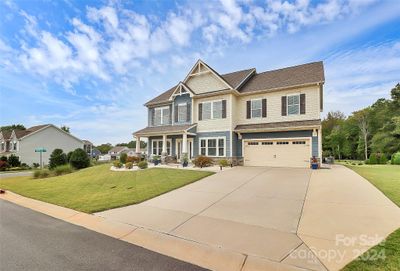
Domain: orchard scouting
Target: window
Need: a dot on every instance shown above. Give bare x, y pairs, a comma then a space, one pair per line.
161, 116
293, 104
15, 146
217, 110
282, 143
252, 143
212, 147
157, 146
299, 142
267, 143
256, 108
212, 110
203, 147
2, 146
182, 112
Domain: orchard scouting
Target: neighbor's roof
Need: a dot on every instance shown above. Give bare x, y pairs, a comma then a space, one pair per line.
305, 74
87, 142
6, 134
117, 149
164, 129
278, 125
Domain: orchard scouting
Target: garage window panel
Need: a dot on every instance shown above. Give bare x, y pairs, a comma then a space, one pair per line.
267, 143
293, 105
252, 143
282, 143
298, 142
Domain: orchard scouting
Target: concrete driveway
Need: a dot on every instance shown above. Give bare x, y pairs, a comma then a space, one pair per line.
251, 210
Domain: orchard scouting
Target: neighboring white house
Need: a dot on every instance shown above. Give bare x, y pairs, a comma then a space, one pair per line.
23, 143
115, 152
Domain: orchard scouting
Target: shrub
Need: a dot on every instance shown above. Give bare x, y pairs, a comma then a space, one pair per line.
35, 165
79, 159
203, 161
14, 161
62, 170
133, 159
142, 164
69, 156
57, 158
223, 163
4, 165
396, 158
129, 165
117, 164
373, 159
123, 157
383, 160
4, 158
360, 163
41, 173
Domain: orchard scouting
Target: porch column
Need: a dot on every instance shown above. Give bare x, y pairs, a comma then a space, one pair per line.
137, 144
320, 143
164, 145
184, 143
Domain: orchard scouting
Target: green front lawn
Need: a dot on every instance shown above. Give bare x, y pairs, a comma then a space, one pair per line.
387, 179
98, 188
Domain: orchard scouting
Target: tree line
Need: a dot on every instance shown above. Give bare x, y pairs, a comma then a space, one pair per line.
372, 130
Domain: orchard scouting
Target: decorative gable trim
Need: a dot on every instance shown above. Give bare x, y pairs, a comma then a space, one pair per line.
202, 68
181, 89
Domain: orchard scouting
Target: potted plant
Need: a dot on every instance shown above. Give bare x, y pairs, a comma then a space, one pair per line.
185, 160
156, 159
314, 163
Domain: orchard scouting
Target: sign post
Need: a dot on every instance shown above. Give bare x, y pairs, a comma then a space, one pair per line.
41, 150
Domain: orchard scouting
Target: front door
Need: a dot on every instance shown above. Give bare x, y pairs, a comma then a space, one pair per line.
179, 148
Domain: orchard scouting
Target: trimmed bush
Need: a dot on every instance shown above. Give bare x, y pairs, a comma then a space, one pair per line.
129, 165
223, 163
373, 159
57, 158
62, 170
123, 157
35, 165
41, 173
117, 164
69, 156
13, 161
203, 161
4, 165
133, 159
383, 160
79, 159
4, 158
396, 158
142, 164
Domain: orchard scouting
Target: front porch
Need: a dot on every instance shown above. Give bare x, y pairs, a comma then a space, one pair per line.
169, 142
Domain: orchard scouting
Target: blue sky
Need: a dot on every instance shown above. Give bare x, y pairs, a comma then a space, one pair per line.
91, 65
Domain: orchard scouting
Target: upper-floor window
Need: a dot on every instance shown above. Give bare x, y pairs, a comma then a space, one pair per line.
182, 112
293, 104
15, 146
212, 110
256, 108
161, 115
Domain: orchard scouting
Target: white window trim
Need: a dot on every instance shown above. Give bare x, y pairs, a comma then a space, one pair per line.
212, 109
181, 105
251, 108
287, 104
162, 115
158, 146
217, 147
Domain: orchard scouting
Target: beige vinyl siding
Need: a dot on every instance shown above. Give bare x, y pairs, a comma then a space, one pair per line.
274, 106
213, 124
49, 138
205, 82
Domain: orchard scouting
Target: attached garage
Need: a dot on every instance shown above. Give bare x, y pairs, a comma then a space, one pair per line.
294, 152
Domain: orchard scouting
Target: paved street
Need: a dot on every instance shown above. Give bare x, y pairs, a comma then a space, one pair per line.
33, 241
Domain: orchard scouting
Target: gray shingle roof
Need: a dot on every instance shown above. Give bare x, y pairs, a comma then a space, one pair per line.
278, 125
275, 79
287, 77
164, 129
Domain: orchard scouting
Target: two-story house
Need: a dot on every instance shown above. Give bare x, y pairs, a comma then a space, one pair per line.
256, 119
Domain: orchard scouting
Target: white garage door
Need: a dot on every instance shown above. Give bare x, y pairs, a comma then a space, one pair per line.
277, 153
